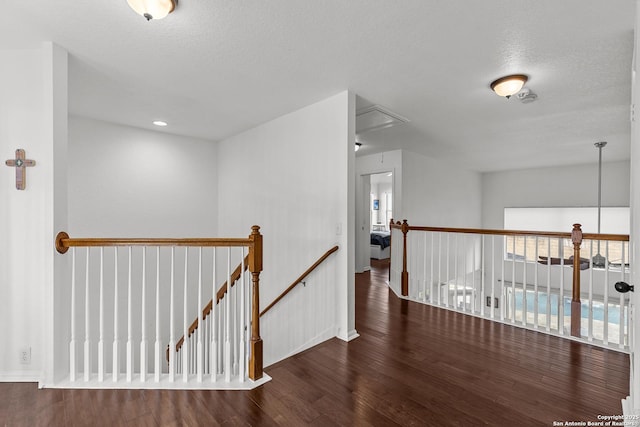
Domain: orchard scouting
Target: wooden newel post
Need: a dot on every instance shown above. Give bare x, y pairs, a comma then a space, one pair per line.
576, 304
405, 273
255, 267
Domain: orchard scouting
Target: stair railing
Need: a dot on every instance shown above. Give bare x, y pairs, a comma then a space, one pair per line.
518, 277
237, 325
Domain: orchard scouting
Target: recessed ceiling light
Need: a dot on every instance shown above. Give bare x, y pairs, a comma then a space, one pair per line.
159, 123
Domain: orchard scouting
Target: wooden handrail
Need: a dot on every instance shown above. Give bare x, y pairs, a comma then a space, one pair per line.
235, 276
585, 236
299, 279
64, 242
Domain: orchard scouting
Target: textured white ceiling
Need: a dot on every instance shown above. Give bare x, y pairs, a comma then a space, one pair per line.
215, 68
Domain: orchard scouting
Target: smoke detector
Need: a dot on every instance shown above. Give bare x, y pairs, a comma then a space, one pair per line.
526, 96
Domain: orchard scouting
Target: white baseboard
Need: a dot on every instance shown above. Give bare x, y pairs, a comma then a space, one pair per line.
163, 384
20, 377
319, 338
627, 407
352, 335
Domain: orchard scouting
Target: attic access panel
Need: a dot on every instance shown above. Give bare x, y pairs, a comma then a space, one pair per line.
375, 118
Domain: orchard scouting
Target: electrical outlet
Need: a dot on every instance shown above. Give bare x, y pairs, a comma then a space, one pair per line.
495, 304
25, 355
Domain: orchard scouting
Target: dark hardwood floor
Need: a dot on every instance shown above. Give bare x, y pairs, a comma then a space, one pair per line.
412, 365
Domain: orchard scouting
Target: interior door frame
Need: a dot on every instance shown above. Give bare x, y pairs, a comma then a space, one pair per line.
363, 217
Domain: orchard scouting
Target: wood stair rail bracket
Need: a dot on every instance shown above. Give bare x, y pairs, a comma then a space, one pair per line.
300, 279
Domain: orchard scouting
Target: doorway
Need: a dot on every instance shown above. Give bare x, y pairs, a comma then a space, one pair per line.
375, 210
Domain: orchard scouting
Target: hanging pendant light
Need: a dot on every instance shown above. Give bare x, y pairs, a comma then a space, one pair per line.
153, 9
509, 85
598, 260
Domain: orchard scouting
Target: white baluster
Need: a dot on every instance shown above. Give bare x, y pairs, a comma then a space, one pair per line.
473, 275
116, 343
143, 326
72, 344
561, 304
185, 322
227, 343
431, 284
249, 299
483, 291
590, 318
172, 339
234, 327
129, 324
157, 356
241, 356
87, 325
455, 272
548, 284
535, 286
464, 272
503, 305
101, 339
493, 276
221, 329
213, 350
205, 342
524, 284
192, 354
199, 350
513, 280
424, 274
448, 275
439, 269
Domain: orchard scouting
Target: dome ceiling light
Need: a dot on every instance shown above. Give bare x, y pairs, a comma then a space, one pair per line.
509, 85
153, 9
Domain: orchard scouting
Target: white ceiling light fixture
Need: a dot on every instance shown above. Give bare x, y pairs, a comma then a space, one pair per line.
153, 9
509, 85
159, 123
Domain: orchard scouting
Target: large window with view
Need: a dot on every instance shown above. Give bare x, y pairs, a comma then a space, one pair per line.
614, 220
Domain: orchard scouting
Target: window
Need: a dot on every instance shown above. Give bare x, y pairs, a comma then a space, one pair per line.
614, 220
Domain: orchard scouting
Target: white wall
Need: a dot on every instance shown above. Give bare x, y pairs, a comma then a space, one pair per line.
438, 193
33, 110
131, 182
291, 176
564, 186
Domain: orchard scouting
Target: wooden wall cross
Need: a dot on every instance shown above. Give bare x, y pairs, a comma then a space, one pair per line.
20, 163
